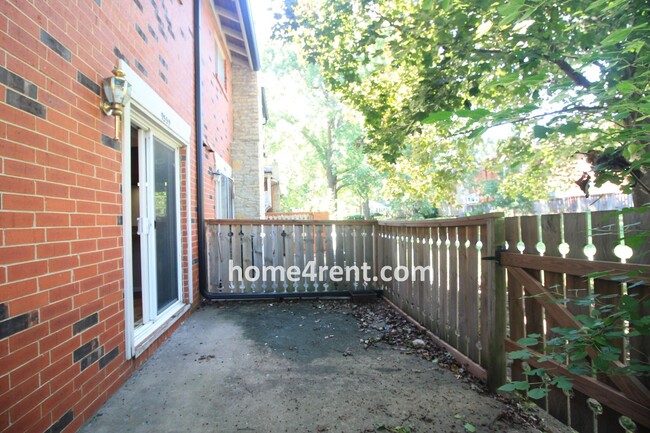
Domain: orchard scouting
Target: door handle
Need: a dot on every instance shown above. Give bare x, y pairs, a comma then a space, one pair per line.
142, 226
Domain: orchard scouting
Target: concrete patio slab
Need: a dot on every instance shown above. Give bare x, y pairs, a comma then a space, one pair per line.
290, 367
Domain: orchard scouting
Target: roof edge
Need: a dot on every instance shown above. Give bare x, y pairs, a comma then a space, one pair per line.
250, 33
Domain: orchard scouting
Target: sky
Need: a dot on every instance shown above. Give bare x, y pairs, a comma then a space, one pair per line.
262, 20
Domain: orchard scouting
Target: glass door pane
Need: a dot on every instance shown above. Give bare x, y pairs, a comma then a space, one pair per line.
165, 209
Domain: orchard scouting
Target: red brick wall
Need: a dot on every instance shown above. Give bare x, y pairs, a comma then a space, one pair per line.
217, 106
61, 248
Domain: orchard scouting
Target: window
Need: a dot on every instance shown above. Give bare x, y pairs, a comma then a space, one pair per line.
220, 65
224, 204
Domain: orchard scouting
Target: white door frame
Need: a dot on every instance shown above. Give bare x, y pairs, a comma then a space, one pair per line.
147, 230
154, 116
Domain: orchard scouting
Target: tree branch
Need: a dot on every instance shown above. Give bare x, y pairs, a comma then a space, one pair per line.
344, 171
600, 65
536, 116
575, 76
640, 183
342, 185
311, 138
487, 51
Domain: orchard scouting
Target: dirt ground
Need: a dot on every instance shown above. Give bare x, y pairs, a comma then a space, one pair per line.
301, 367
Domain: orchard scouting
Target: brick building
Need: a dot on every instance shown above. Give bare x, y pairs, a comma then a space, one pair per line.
100, 246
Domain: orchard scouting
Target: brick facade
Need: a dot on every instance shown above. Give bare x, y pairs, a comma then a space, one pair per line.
247, 154
62, 276
217, 108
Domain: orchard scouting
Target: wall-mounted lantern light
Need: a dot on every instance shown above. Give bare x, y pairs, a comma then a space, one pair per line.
117, 92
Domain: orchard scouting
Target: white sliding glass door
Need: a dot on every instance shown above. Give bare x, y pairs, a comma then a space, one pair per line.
156, 218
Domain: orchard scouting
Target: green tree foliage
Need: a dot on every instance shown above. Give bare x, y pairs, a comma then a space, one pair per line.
526, 169
572, 73
428, 168
314, 138
590, 350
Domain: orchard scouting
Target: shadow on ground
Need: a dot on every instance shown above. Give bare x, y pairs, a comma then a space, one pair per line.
290, 367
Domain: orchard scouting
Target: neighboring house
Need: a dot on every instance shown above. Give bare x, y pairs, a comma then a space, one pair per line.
567, 197
101, 240
271, 189
378, 208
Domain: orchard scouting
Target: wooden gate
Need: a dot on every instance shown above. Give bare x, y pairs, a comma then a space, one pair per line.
550, 257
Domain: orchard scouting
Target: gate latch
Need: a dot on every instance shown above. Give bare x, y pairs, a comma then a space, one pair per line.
497, 255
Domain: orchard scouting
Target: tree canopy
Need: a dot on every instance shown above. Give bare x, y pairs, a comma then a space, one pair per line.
314, 139
570, 76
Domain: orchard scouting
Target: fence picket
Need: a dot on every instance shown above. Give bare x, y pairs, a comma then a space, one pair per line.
424, 280
636, 224
317, 255
288, 251
454, 334
485, 296
329, 252
605, 235
575, 234
444, 285
465, 291
558, 402
472, 307
551, 229
582, 417
436, 295
310, 279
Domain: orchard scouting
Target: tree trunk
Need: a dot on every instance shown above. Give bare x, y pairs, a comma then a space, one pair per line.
330, 167
641, 191
365, 206
640, 196
332, 185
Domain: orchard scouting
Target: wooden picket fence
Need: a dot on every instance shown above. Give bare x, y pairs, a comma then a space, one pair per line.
477, 284
284, 258
548, 258
461, 300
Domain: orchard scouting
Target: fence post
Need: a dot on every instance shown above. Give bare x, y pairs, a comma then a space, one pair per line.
497, 313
